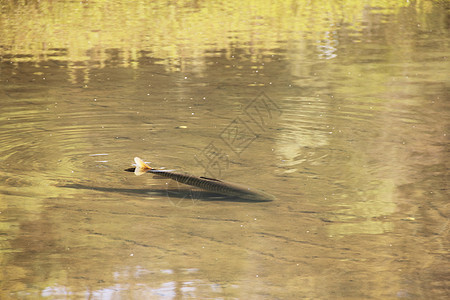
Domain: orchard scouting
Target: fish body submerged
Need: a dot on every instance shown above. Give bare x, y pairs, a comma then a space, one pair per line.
209, 184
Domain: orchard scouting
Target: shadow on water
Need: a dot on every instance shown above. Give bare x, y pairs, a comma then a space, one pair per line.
179, 193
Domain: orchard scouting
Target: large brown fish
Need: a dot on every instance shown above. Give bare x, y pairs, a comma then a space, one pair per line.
209, 184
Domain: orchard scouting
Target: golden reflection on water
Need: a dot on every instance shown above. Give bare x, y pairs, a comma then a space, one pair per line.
355, 151
178, 35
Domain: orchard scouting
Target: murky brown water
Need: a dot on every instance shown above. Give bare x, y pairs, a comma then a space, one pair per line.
340, 110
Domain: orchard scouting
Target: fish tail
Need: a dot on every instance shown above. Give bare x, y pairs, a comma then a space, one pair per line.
141, 166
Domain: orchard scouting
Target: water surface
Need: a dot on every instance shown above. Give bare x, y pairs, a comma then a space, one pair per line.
340, 110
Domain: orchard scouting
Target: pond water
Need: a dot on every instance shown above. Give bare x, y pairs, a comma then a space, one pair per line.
338, 109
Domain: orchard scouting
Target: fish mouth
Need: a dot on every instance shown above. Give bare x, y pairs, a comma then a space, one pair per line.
130, 170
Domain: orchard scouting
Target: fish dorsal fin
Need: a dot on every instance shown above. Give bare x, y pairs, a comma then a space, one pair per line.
141, 167
207, 178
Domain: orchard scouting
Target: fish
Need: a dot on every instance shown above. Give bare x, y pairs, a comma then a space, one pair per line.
209, 184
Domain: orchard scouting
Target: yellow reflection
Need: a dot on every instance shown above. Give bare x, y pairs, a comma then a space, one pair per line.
174, 32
